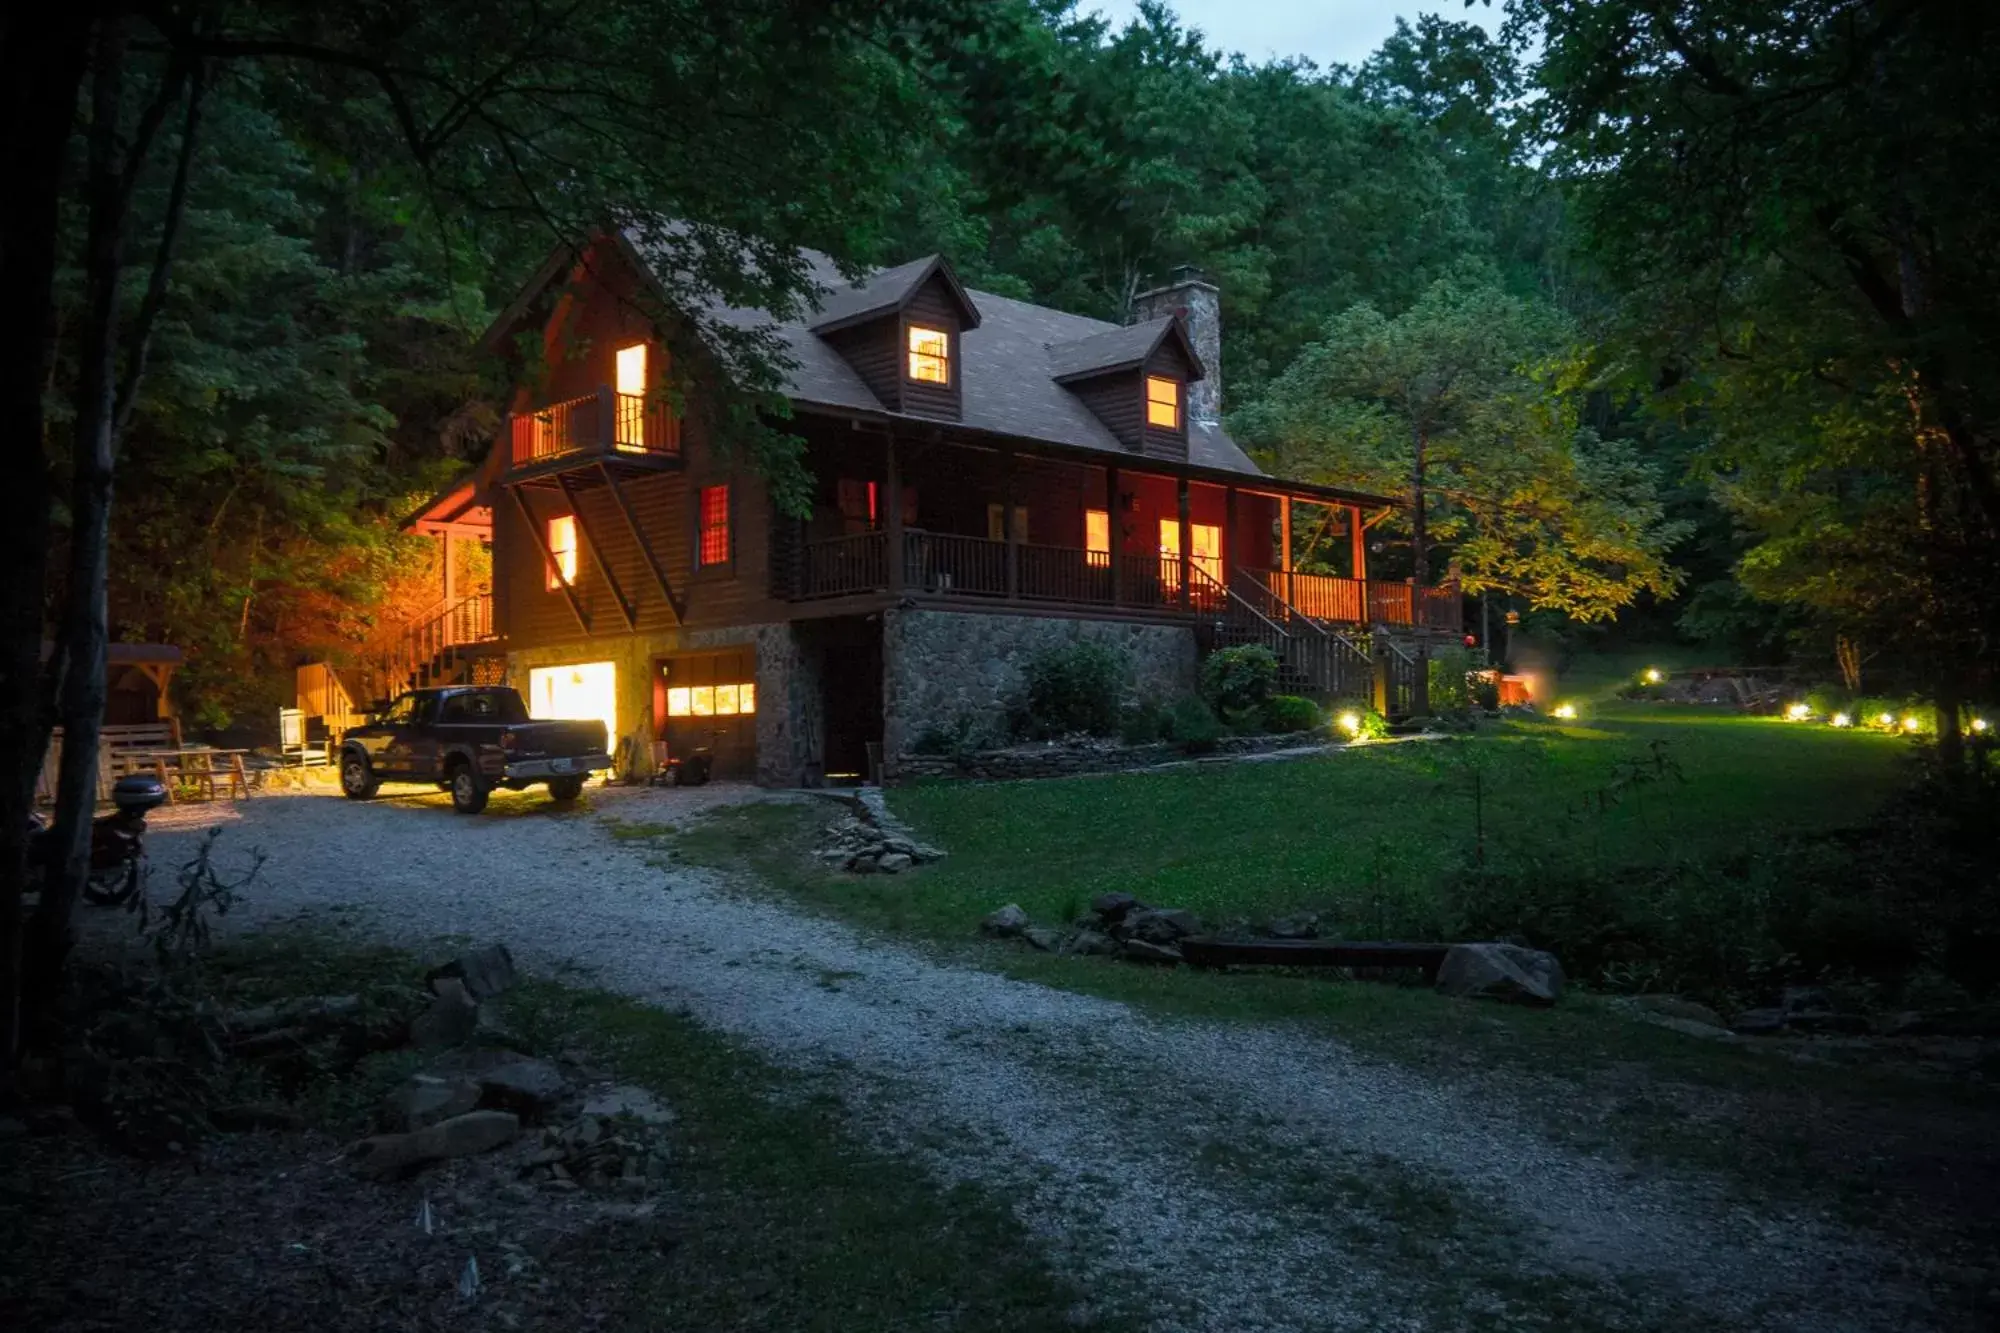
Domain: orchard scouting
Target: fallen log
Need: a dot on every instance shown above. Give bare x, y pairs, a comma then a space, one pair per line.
1315, 953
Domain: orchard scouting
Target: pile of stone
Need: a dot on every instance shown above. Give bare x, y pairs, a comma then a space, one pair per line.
475, 1096
1117, 925
868, 840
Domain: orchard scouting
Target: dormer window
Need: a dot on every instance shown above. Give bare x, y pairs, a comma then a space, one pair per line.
1163, 403
929, 355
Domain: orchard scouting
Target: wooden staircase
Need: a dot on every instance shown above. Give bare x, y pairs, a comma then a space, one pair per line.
446, 645
1314, 659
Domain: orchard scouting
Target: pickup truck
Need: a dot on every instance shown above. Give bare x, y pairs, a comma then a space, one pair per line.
467, 740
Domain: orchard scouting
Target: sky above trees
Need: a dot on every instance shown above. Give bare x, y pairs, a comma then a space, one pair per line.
1326, 32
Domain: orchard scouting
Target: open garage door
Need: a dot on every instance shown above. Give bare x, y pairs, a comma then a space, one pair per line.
710, 699
583, 691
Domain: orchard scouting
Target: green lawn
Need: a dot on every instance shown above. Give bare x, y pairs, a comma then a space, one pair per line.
1369, 833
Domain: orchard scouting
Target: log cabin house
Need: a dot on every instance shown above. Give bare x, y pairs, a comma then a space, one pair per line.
989, 477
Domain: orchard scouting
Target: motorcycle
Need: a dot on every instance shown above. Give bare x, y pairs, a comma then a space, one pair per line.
117, 843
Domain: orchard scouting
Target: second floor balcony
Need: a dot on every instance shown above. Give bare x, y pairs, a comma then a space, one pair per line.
604, 426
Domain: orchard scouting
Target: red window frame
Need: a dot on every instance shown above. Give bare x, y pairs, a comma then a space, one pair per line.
711, 546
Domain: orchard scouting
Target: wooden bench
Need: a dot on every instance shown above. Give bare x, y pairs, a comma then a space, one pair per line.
122, 748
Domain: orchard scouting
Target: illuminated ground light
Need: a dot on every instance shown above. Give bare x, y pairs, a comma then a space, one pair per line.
1798, 712
1842, 720
1885, 719
1654, 675
1350, 723
1979, 724
1564, 712
1912, 724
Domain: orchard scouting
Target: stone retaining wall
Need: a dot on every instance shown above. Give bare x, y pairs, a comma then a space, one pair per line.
1068, 759
941, 666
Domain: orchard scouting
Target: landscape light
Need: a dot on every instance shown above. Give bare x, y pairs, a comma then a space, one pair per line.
1654, 676
1911, 724
1567, 712
1842, 720
1351, 723
1979, 724
1798, 712
1886, 719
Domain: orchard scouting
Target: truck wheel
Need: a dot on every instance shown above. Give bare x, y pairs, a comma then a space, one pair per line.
357, 780
565, 789
468, 792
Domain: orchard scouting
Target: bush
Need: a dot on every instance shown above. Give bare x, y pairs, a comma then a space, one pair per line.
1289, 712
1193, 726
1368, 725
1072, 688
1451, 680
1143, 723
1235, 681
964, 734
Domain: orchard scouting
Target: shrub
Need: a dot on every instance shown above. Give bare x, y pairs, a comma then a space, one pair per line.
964, 734
1486, 692
1193, 726
1289, 712
1238, 680
1142, 723
1368, 725
1451, 680
1072, 688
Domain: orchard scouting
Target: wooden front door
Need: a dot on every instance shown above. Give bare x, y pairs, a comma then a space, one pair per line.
710, 699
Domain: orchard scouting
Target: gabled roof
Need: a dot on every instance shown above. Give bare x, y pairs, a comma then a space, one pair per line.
1118, 349
889, 290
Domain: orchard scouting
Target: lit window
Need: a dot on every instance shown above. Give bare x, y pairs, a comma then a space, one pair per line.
562, 552
1205, 553
1163, 402
713, 545
712, 700
930, 355
996, 520
1097, 537
631, 423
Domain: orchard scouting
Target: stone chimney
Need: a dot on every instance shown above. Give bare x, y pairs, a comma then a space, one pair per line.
1189, 294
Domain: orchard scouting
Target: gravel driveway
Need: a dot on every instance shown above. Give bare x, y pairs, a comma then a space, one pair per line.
1217, 1177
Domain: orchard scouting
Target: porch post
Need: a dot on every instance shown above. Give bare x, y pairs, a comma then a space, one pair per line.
1115, 530
893, 484
1008, 528
1181, 494
1285, 546
1360, 541
450, 574
1228, 536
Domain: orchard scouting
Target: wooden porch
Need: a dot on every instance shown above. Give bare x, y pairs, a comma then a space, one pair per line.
952, 566
601, 427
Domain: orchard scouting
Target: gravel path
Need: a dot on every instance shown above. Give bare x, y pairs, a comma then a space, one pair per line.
1217, 1177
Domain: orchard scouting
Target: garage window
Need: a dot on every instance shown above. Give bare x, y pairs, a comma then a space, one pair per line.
712, 700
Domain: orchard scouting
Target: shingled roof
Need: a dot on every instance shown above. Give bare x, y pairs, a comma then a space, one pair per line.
1012, 360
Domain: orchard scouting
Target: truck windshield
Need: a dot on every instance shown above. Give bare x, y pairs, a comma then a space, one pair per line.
503, 707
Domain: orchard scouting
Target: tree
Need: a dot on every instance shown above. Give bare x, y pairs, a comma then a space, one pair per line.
1796, 203
760, 127
1465, 402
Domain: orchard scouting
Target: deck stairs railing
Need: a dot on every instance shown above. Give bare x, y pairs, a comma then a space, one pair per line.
1312, 659
437, 647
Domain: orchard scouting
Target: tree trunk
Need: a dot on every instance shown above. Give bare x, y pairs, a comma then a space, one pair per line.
41, 66
84, 629
1420, 691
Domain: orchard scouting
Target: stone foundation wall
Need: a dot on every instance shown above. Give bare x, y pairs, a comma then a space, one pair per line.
940, 666
791, 737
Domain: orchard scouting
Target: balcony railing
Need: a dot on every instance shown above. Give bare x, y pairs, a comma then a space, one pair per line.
949, 564
600, 423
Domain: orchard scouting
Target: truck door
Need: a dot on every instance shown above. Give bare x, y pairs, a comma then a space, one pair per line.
387, 738
424, 753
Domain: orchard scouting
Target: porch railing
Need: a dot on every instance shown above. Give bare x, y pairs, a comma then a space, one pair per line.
952, 564
430, 637
603, 422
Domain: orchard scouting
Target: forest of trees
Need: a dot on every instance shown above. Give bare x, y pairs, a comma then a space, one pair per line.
1684, 310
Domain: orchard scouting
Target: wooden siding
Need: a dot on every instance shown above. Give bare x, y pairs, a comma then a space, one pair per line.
1158, 442
933, 307
1119, 401
873, 350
